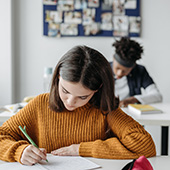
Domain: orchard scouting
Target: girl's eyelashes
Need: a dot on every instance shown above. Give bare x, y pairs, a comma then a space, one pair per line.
83, 97
64, 91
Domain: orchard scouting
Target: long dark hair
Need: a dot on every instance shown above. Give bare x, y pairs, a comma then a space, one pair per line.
90, 68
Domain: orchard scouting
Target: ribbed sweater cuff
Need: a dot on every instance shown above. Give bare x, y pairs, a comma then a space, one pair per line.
86, 149
19, 151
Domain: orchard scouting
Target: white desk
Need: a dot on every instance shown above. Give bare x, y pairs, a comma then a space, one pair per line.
5, 116
160, 119
158, 163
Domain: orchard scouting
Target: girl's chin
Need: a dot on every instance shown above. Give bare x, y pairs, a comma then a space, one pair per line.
70, 108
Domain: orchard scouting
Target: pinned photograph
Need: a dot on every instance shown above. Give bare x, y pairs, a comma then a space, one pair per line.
107, 4
72, 17
53, 16
92, 29
106, 18
118, 7
69, 29
130, 4
50, 2
93, 3
134, 24
120, 25
65, 5
89, 16
80, 4
54, 30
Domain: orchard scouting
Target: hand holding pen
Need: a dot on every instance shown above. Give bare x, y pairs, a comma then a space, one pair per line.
32, 154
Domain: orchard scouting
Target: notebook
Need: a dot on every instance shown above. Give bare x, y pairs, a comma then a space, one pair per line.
143, 109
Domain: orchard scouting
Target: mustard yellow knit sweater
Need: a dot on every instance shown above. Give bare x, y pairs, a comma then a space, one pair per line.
85, 125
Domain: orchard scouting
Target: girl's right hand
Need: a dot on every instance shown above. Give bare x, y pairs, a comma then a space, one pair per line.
32, 155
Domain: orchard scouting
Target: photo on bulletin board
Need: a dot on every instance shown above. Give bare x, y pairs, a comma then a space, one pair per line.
107, 18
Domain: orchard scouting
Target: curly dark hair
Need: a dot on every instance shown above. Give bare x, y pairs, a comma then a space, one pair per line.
128, 50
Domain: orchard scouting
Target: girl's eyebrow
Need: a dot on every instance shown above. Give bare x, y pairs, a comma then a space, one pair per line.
78, 96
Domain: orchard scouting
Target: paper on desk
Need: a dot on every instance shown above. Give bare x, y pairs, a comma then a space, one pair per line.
68, 163
10, 110
6, 113
55, 162
18, 166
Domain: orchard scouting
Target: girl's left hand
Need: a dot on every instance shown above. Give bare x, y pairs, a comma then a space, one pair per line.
72, 150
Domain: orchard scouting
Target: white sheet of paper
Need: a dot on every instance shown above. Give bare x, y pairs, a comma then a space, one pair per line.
55, 162
18, 166
68, 163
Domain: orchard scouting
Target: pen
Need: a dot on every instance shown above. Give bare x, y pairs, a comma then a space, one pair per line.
28, 137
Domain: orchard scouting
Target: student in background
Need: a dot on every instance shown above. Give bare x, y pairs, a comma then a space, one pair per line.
75, 117
131, 77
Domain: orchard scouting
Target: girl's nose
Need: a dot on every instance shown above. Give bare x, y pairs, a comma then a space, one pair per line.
71, 101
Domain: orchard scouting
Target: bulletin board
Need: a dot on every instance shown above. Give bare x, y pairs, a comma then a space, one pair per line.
107, 18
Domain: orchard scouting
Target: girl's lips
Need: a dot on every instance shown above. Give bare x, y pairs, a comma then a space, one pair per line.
69, 107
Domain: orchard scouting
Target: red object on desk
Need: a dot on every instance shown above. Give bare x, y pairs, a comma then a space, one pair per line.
141, 163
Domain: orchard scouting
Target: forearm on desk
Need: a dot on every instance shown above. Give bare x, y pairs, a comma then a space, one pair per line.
130, 141
131, 134
151, 95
